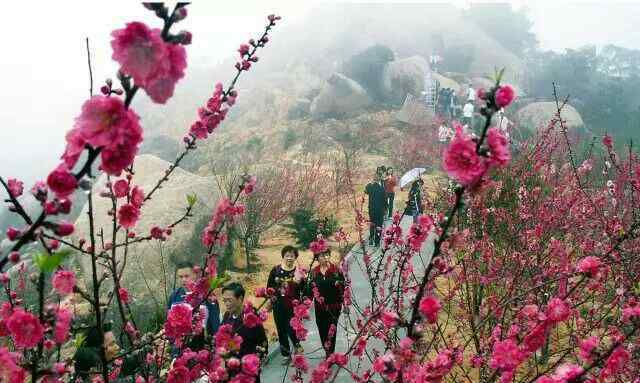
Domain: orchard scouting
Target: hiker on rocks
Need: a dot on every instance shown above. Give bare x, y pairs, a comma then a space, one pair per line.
254, 339
327, 288
414, 201
282, 279
390, 183
187, 276
377, 206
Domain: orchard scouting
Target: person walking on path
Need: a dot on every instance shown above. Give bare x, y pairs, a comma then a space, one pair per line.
254, 339
390, 183
282, 280
414, 201
377, 207
327, 288
187, 276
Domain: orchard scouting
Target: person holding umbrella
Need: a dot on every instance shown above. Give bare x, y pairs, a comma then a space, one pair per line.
414, 201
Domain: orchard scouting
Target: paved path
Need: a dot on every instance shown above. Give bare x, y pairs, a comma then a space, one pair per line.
274, 371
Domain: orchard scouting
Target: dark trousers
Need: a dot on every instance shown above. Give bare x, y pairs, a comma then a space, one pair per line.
375, 228
282, 316
324, 319
390, 197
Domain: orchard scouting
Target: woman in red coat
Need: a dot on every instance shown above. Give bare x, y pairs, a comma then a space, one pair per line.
327, 284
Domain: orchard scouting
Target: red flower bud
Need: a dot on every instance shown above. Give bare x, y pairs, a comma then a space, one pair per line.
64, 228
14, 257
54, 244
51, 208
65, 206
13, 233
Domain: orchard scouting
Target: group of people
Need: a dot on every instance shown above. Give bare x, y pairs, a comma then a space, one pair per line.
381, 196
287, 285
324, 283
449, 106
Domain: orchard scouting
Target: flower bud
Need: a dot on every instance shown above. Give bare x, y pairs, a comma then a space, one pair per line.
64, 228
233, 363
51, 208
185, 37
13, 233
64, 206
105, 90
54, 244
14, 257
180, 14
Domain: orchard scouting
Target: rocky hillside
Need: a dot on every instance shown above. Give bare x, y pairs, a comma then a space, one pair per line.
148, 265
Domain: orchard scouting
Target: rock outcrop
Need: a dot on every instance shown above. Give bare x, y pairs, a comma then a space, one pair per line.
340, 97
538, 114
148, 270
404, 76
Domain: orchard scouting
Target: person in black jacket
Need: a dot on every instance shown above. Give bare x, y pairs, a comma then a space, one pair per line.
414, 202
327, 287
377, 206
254, 339
288, 289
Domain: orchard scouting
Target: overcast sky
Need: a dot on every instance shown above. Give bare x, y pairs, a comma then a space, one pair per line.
44, 69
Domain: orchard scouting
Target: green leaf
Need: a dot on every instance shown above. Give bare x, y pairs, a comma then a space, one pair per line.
499, 75
48, 263
218, 281
79, 340
192, 199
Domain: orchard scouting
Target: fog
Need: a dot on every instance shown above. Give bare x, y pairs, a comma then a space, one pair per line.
44, 65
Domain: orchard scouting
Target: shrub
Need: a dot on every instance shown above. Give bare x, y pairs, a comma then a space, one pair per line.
289, 139
306, 226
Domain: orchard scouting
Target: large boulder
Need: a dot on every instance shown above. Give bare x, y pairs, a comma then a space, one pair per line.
404, 76
148, 270
537, 114
340, 97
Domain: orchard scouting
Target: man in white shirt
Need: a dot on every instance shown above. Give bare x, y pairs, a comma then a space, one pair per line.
472, 94
467, 115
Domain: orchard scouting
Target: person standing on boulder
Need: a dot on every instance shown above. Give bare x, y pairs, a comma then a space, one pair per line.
377, 207
390, 183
